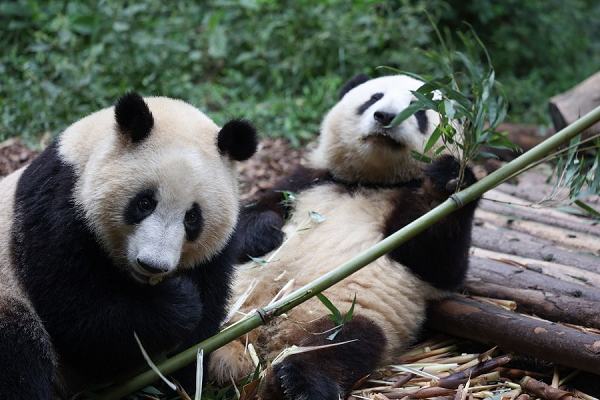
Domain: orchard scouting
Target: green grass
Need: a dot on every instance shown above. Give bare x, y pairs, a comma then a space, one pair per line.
278, 63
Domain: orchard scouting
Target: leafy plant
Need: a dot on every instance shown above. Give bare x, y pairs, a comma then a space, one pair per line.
469, 117
578, 172
336, 315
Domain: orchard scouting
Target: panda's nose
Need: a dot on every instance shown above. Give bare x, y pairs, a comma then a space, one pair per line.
383, 117
152, 267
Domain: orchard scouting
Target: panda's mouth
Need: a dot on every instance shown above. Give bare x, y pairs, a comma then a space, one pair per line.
383, 138
145, 278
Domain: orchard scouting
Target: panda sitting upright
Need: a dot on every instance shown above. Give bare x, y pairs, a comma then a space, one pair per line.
121, 226
362, 184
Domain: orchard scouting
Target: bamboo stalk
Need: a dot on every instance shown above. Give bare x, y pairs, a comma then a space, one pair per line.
264, 315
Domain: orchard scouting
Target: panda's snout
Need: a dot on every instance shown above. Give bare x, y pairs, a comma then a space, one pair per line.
153, 267
384, 118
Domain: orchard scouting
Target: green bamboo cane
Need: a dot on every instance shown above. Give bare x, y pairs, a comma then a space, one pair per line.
267, 313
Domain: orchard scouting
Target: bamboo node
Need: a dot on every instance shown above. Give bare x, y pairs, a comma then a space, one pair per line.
263, 316
457, 200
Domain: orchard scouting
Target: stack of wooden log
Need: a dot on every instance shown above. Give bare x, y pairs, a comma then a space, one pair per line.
541, 268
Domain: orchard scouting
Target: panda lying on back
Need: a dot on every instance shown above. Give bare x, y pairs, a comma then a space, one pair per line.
121, 225
364, 183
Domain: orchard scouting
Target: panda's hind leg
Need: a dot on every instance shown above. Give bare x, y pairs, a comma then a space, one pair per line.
231, 361
26, 354
327, 373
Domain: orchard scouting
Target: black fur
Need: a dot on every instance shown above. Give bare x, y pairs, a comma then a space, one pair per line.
90, 307
140, 207
133, 117
353, 82
26, 354
451, 237
238, 139
308, 376
193, 222
374, 99
260, 222
421, 117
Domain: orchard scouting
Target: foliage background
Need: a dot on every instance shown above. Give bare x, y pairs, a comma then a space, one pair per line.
278, 63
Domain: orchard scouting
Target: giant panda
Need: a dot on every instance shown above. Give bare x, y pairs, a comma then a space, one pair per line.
362, 184
121, 226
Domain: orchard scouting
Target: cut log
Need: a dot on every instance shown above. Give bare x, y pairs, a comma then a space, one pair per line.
563, 272
561, 236
567, 107
505, 204
491, 237
510, 331
535, 293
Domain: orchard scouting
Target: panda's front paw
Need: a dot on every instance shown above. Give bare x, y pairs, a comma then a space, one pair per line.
258, 233
443, 173
295, 379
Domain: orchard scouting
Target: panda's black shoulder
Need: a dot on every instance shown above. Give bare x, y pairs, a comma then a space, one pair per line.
43, 173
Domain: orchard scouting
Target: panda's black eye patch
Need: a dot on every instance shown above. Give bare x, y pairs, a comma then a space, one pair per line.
421, 117
374, 99
193, 222
140, 206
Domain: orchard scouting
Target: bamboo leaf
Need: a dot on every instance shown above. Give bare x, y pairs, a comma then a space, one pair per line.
407, 112
449, 109
433, 139
421, 157
435, 84
336, 316
423, 99
473, 72
316, 217
587, 208
350, 311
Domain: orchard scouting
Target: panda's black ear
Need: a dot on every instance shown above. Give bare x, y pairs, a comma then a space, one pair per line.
133, 117
238, 139
352, 83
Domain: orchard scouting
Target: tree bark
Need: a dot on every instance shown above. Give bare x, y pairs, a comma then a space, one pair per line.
535, 293
501, 203
563, 272
494, 238
515, 332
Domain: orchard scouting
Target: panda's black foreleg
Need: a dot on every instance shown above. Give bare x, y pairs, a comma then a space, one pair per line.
438, 255
259, 226
327, 373
27, 361
258, 232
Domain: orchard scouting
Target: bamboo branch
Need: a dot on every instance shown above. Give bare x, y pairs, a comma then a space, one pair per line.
264, 315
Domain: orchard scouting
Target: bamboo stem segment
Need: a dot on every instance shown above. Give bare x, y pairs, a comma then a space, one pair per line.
269, 312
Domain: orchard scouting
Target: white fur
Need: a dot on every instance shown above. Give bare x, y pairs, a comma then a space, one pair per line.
347, 148
9, 281
112, 170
